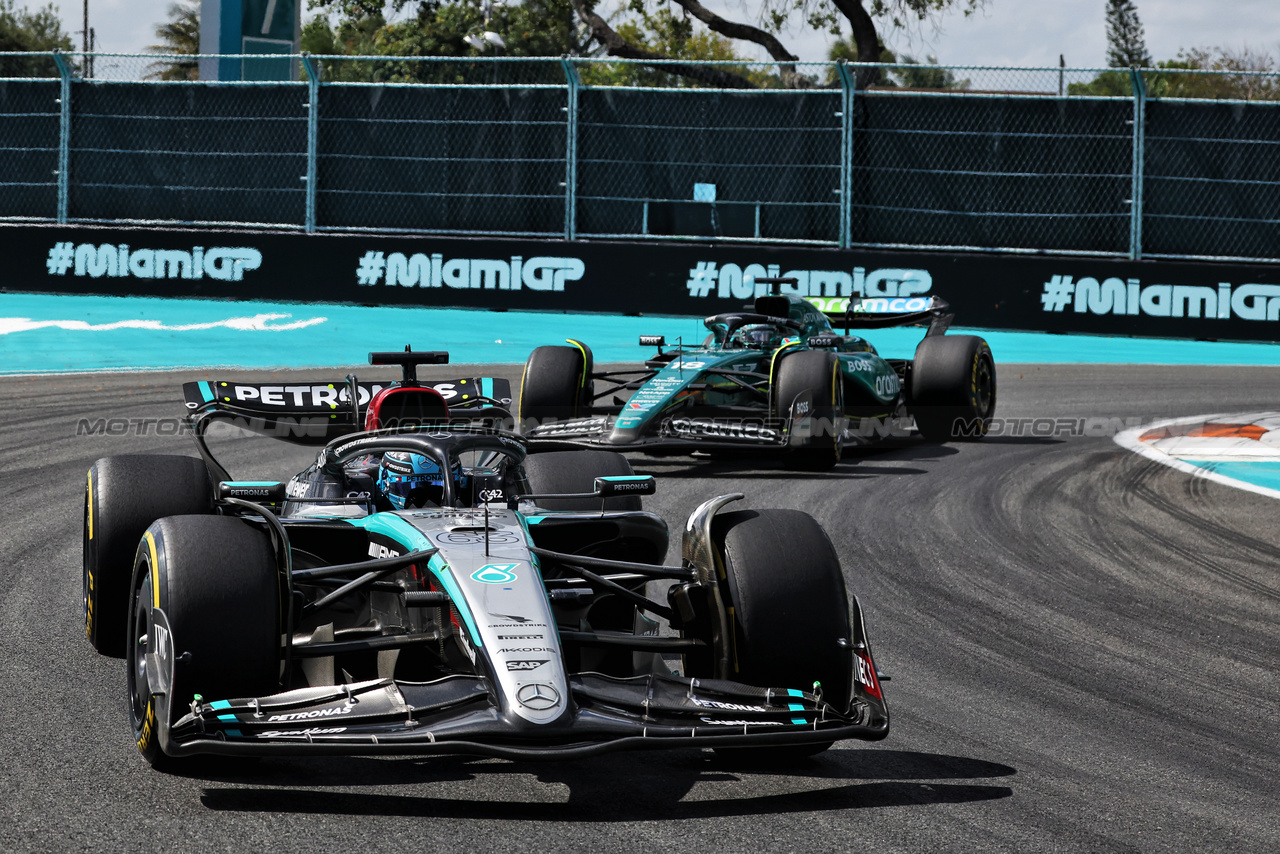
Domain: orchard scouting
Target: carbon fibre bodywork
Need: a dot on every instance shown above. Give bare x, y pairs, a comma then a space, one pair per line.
488, 624
724, 394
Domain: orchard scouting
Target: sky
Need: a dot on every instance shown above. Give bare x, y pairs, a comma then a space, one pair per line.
1005, 33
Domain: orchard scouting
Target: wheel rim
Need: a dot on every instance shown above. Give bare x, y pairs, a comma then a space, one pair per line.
139, 639
985, 387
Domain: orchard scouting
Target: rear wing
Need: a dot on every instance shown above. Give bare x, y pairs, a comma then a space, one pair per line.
882, 312
315, 413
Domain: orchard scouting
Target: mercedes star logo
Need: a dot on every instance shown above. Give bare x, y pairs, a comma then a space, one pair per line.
538, 696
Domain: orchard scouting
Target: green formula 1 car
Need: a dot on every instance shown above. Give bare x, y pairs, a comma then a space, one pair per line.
778, 378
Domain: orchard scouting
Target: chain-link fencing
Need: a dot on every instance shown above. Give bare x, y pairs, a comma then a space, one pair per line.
1112, 162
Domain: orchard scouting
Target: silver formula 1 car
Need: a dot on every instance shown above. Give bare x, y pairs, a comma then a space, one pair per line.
427, 587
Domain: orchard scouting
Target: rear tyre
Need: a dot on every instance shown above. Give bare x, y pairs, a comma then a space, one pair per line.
790, 607
554, 386
219, 588
124, 495
953, 388
576, 471
818, 372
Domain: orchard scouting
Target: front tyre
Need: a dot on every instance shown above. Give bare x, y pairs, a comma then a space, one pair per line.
555, 385
790, 607
123, 496
953, 388
215, 579
569, 472
817, 372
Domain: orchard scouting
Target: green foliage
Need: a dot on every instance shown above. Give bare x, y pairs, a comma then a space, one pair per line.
23, 30
1108, 84
1242, 75
674, 37
1126, 42
912, 74
533, 28
179, 35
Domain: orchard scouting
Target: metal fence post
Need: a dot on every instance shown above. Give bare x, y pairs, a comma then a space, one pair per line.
570, 150
847, 86
64, 135
313, 138
1139, 154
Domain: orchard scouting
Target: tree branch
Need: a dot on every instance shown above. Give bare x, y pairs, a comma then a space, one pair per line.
616, 45
746, 32
865, 38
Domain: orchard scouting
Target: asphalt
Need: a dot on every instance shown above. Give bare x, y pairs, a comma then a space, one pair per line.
1082, 645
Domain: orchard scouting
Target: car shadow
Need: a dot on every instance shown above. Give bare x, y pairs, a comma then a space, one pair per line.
621, 787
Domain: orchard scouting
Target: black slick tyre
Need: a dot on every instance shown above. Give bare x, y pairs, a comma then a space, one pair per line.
818, 372
554, 385
790, 606
216, 581
576, 472
953, 388
123, 496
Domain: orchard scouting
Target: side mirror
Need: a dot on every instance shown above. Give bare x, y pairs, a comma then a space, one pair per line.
611, 487
257, 491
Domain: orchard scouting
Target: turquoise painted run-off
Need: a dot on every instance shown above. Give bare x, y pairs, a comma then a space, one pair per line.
60, 334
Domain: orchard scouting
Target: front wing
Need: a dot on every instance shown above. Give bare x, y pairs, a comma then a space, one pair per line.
676, 434
458, 715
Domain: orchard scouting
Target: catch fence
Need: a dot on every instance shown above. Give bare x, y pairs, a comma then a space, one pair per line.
1120, 163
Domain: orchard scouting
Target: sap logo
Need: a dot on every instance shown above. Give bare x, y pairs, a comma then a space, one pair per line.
526, 664
540, 273
378, 552
227, 263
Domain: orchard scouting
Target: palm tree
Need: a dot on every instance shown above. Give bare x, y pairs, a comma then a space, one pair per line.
179, 35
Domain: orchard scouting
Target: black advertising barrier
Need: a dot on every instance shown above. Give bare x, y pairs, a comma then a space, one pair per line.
1201, 300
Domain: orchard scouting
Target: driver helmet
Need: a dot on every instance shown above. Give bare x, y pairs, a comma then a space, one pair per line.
410, 480
760, 336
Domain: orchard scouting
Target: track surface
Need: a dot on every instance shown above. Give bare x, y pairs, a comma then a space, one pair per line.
1083, 647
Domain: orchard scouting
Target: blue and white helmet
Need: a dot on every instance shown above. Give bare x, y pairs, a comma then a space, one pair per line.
410, 480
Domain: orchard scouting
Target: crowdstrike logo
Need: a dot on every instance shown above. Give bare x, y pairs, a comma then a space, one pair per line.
540, 273
737, 282
1130, 297
226, 263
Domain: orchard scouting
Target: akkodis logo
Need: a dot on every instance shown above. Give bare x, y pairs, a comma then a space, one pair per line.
539, 273
1131, 297
227, 263
731, 281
